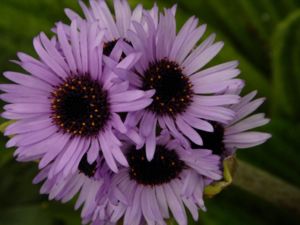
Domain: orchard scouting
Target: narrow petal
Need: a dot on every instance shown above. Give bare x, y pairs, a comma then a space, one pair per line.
251, 122
28, 81
108, 154
217, 100
188, 131
247, 137
28, 108
61, 142
131, 106
175, 205
118, 124
93, 151
151, 142
66, 48
127, 96
197, 123
204, 58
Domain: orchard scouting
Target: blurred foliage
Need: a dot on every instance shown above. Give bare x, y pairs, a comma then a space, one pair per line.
263, 35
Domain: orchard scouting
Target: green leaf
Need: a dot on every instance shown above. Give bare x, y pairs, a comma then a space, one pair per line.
237, 207
279, 155
286, 66
39, 213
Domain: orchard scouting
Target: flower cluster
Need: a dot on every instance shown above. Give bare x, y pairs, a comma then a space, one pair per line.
122, 109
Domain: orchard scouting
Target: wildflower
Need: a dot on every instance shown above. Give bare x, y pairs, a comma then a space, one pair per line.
186, 96
69, 103
173, 179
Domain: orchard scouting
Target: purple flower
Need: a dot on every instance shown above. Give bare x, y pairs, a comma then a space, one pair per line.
173, 180
69, 102
86, 181
186, 96
116, 25
236, 134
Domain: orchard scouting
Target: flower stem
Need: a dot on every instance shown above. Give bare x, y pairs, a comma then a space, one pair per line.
267, 186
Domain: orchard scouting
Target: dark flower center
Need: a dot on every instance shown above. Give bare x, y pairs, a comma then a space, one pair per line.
108, 47
80, 106
213, 140
87, 169
173, 89
164, 167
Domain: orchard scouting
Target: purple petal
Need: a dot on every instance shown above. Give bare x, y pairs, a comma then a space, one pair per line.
188, 131
175, 205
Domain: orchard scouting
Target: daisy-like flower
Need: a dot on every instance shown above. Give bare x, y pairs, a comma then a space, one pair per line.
116, 25
87, 181
69, 102
186, 94
227, 138
172, 180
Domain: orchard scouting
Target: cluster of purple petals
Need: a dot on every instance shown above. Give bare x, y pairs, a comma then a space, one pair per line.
122, 111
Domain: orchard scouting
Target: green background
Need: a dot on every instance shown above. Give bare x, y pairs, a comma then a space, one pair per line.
264, 35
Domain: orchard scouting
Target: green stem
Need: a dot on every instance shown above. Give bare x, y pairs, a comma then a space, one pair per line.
267, 186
